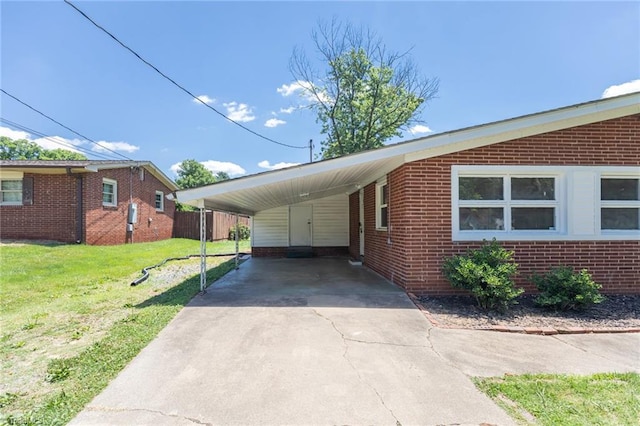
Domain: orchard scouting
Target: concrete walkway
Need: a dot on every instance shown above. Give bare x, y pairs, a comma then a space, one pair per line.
316, 341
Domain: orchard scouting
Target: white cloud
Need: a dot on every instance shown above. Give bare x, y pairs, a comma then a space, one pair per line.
55, 142
239, 112
287, 110
302, 89
214, 166
266, 165
14, 134
204, 98
104, 146
419, 128
622, 89
274, 122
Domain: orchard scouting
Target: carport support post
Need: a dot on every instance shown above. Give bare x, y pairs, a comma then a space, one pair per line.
237, 239
203, 245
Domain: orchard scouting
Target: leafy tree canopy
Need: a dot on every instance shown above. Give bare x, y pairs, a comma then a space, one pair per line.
192, 174
22, 149
366, 94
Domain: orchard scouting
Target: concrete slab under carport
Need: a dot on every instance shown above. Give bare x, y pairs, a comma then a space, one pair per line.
294, 341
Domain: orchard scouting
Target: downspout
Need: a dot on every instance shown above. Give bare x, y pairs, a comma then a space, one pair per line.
203, 246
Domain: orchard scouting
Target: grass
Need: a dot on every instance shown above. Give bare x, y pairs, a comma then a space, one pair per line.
70, 320
546, 399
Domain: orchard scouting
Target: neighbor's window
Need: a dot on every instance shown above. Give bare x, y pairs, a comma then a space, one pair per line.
619, 203
109, 192
11, 191
382, 200
159, 201
507, 203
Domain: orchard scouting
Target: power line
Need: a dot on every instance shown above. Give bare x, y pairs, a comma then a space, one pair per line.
175, 83
66, 127
44, 136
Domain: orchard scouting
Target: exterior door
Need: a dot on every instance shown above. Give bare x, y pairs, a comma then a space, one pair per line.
300, 222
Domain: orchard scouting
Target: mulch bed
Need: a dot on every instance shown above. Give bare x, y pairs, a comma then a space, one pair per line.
617, 312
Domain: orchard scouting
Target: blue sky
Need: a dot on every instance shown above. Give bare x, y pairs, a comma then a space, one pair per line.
495, 60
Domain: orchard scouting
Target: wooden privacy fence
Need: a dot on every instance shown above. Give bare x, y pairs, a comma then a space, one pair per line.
187, 225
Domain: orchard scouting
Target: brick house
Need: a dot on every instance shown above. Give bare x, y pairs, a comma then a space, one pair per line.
558, 187
92, 202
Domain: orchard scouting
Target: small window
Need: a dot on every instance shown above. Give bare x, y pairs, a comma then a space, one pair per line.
382, 204
109, 192
11, 191
159, 201
620, 204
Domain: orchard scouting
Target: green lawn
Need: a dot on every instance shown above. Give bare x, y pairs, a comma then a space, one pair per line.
70, 321
546, 399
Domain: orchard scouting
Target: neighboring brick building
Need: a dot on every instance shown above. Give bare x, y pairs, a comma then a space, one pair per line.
558, 187
85, 201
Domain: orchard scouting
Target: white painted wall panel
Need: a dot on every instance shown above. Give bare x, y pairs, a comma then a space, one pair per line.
331, 221
271, 228
330, 224
582, 202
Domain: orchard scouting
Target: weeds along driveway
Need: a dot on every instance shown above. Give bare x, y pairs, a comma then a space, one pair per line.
294, 341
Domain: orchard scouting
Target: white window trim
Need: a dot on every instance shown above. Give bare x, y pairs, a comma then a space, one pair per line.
11, 203
379, 185
565, 197
161, 208
114, 183
614, 203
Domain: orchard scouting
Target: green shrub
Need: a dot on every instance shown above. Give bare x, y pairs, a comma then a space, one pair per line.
243, 232
487, 273
562, 288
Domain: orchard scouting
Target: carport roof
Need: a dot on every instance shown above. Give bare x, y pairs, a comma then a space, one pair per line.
251, 194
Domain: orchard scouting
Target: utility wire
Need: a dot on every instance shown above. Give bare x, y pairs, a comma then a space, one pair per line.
175, 83
44, 136
66, 127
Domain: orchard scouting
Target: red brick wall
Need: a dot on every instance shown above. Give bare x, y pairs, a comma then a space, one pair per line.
52, 216
354, 219
107, 225
420, 211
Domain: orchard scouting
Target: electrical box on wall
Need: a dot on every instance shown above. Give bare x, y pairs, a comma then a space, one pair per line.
129, 227
133, 213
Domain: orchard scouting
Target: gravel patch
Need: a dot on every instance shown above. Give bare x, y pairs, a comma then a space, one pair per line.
462, 312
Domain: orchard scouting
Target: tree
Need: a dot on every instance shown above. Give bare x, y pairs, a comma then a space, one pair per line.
366, 95
61, 154
192, 174
19, 149
22, 149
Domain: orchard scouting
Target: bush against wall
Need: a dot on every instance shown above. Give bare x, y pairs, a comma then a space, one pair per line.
562, 288
243, 232
487, 273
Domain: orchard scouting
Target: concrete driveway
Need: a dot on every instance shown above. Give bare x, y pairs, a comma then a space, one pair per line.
316, 341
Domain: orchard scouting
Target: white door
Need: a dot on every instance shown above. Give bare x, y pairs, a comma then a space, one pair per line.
300, 225
361, 223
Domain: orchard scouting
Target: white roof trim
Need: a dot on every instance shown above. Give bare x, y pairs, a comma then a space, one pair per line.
226, 195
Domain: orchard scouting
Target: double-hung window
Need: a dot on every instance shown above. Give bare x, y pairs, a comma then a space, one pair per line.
11, 191
382, 204
159, 201
619, 203
109, 192
505, 204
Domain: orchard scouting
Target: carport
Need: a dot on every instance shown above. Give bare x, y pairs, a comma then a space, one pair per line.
252, 194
